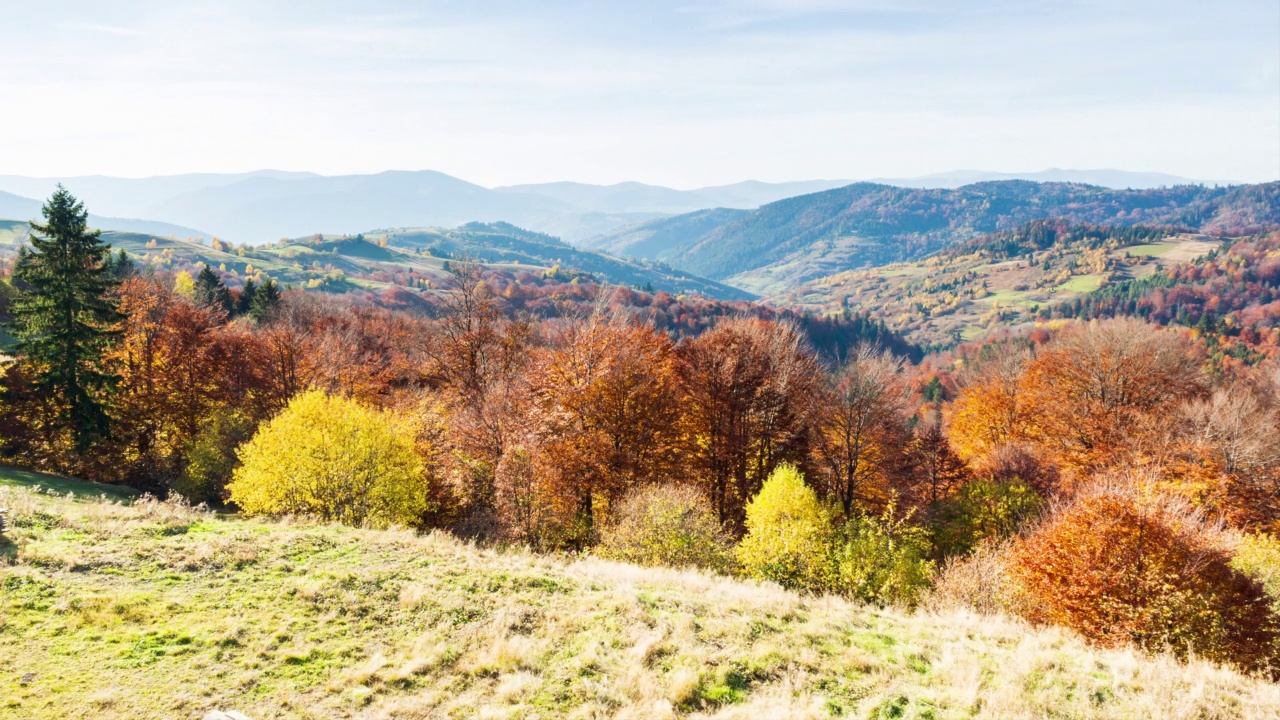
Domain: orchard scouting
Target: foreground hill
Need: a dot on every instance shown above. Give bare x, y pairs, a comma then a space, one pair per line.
156, 610
792, 241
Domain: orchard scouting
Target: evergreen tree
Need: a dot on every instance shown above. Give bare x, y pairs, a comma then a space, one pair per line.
265, 299
210, 292
245, 303
64, 317
119, 265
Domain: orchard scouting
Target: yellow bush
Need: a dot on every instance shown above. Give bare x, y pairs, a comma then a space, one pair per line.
335, 458
789, 534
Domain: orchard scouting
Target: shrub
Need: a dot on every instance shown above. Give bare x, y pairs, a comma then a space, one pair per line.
211, 458
1119, 567
789, 534
881, 560
335, 458
977, 582
1258, 556
982, 510
669, 525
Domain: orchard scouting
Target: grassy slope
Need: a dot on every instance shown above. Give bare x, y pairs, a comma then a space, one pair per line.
16, 478
153, 610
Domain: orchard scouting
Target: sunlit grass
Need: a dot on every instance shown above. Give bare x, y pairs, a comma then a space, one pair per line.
156, 610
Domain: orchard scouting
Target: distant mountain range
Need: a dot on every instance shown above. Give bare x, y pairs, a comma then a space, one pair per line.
14, 207
265, 205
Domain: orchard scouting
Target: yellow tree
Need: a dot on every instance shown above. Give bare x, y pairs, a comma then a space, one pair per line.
335, 458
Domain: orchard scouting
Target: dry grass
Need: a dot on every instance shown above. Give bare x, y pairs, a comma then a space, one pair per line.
162, 611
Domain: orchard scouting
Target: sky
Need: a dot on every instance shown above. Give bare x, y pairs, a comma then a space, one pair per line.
682, 93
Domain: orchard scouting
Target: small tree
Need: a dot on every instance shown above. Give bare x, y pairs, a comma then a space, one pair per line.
335, 458
670, 525
789, 533
211, 458
64, 319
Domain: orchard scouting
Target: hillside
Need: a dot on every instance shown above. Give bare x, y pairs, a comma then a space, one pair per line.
792, 241
502, 243
660, 239
1000, 279
157, 610
410, 257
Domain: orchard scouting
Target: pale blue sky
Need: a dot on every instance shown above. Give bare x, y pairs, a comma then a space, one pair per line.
679, 93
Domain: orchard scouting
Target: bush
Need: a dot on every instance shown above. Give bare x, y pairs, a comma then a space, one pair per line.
984, 510
789, 534
669, 525
881, 560
1258, 556
977, 582
335, 458
211, 459
1119, 567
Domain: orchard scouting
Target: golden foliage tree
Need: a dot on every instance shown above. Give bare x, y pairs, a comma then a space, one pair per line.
603, 417
335, 458
789, 534
1101, 392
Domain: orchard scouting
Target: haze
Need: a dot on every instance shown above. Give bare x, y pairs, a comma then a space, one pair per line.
682, 94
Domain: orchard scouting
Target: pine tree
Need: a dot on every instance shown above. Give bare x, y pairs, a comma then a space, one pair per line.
210, 292
265, 298
245, 303
64, 318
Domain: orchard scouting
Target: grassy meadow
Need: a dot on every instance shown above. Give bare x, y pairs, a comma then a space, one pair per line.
141, 609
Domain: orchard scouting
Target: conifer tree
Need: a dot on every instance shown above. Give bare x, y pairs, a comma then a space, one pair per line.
210, 292
245, 302
265, 299
64, 318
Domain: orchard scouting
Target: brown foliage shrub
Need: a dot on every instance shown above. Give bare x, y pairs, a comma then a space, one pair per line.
671, 525
1118, 567
1020, 461
978, 582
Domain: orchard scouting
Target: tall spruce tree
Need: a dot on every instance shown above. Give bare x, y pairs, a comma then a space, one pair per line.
64, 318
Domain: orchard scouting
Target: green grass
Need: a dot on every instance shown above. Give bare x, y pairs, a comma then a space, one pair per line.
1152, 249
1080, 284
153, 610
14, 477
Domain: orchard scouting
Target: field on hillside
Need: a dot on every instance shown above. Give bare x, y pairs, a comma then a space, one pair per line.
952, 296
155, 610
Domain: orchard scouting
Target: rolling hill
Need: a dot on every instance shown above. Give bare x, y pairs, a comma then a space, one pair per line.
503, 243
792, 241
660, 239
373, 260
125, 611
